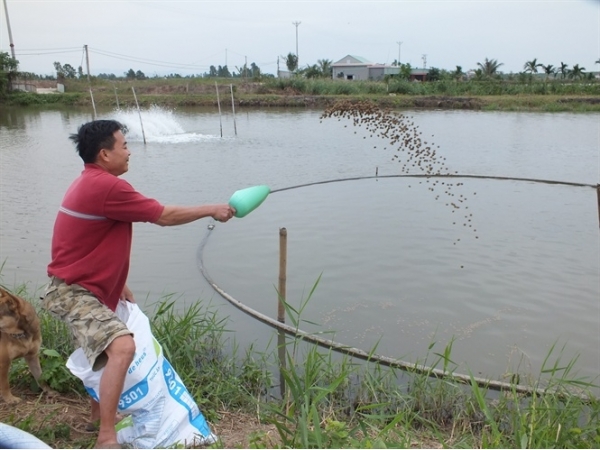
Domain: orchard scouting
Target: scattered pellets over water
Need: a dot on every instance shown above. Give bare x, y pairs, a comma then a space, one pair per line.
412, 151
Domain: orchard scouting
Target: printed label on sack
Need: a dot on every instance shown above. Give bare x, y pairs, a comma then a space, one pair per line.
182, 396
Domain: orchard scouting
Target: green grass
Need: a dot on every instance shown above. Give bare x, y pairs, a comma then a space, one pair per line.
332, 401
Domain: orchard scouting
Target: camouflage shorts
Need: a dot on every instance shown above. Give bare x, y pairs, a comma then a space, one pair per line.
93, 325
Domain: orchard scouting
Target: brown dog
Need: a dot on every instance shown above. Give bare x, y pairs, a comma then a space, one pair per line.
20, 336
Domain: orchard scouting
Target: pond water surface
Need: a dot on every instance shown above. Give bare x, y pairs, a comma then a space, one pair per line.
511, 273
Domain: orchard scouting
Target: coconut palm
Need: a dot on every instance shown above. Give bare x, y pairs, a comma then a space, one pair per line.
458, 74
478, 74
312, 71
325, 67
549, 69
532, 66
564, 69
489, 67
577, 72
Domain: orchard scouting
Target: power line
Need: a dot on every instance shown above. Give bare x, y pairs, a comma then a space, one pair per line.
133, 59
50, 49
40, 53
147, 61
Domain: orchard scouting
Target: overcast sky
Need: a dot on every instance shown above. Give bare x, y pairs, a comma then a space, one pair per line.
187, 37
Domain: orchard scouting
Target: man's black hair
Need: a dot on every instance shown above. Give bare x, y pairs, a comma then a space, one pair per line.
93, 136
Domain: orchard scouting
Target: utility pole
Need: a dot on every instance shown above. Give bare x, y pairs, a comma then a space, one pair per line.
297, 57
399, 47
87, 63
10, 39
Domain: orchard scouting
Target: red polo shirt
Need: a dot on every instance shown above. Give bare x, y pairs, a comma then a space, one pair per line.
91, 244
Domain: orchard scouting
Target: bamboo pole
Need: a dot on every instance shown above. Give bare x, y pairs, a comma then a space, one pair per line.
93, 104
233, 109
219, 104
139, 113
117, 97
282, 274
598, 196
281, 347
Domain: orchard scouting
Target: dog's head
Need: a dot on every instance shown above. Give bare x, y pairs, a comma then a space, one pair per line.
15, 313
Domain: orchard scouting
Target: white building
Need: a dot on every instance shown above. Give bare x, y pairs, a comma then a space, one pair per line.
358, 68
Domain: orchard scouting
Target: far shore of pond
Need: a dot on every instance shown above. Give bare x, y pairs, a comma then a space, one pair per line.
124, 98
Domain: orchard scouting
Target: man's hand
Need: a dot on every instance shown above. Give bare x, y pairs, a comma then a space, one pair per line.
127, 295
223, 213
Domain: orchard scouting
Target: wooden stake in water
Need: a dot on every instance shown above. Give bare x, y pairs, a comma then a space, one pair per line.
598, 195
219, 104
139, 113
117, 97
282, 274
233, 109
93, 104
280, 306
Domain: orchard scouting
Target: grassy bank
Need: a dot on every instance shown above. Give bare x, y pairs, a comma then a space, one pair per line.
331, 401
496, 95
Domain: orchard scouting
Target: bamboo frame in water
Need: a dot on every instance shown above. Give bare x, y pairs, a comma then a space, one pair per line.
384, 360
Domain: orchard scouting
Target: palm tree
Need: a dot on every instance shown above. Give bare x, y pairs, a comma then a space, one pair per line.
458, 73
577, 72
532, 66
564, 69
478, 74
312, 71
325, 67
549, 69
489, 67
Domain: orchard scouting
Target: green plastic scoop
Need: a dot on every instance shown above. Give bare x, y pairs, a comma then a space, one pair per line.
247, 200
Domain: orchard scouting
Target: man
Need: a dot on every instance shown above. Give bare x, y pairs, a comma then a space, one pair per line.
91, 246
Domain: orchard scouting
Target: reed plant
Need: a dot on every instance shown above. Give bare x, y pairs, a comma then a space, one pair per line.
195, 341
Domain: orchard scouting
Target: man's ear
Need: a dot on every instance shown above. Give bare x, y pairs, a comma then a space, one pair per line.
103, 155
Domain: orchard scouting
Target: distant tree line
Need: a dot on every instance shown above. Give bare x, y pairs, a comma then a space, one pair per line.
252, 71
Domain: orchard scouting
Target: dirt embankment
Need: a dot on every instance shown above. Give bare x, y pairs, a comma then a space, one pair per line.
192, 92
61, 421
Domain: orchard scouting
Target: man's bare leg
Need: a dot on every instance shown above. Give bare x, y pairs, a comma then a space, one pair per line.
95, 416
120, 354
